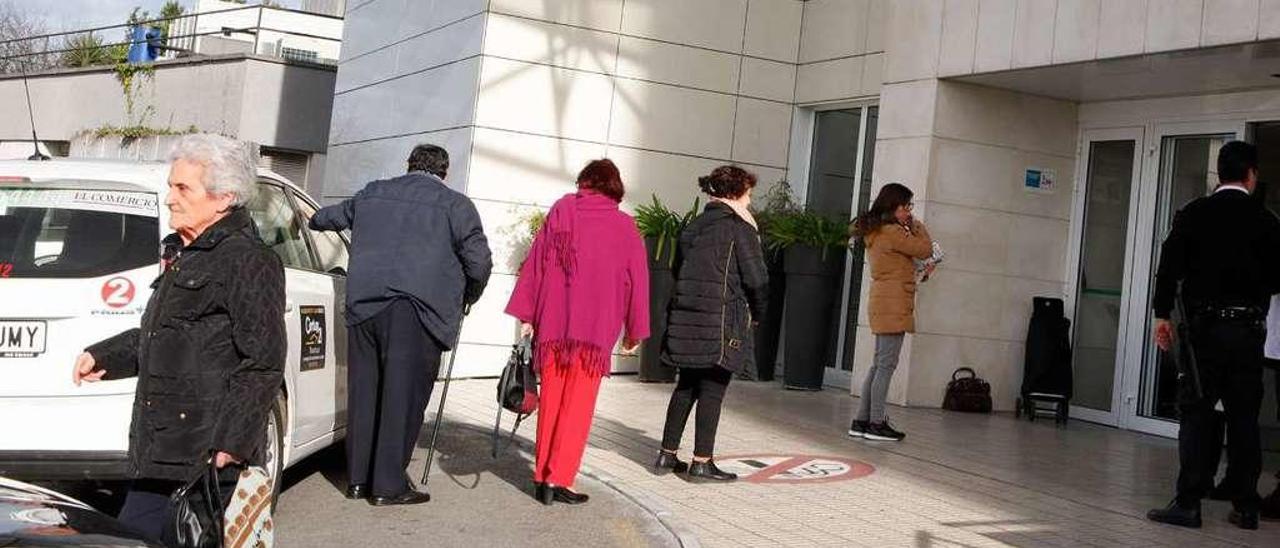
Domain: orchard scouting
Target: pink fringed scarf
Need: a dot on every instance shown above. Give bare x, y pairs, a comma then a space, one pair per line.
572, 289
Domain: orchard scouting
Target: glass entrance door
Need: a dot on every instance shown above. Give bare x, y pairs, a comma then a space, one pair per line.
1186, 169
839, 184
1134, 181
1112, 167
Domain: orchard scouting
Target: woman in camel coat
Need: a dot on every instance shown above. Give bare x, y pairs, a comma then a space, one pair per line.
894, 240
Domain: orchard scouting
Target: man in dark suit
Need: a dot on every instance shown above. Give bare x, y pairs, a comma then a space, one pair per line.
1224, 252
418, 256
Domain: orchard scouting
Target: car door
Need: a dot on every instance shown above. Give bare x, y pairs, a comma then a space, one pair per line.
332, 255
310, 372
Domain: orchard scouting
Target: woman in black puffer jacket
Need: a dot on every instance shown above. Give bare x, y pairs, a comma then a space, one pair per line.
721, 284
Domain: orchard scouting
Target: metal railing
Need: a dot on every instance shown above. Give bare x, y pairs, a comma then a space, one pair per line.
184, 34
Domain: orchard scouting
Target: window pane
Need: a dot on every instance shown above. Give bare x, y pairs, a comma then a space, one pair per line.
280, 227
72, 233
330, 247
1103, 250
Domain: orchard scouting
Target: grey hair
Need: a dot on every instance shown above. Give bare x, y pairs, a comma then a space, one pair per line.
230, 166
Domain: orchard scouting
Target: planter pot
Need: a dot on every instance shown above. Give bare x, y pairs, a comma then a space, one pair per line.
812, 285
769, 327
662, 285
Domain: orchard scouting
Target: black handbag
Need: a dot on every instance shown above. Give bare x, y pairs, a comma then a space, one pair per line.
196, 511
517, 390
967, 394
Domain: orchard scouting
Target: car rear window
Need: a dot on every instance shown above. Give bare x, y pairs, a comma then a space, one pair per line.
64, 232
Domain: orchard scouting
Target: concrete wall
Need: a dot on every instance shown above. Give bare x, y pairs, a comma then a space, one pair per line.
964, 149
958, 37
275, 28
265, 101
524, 92
407, 75
842, 44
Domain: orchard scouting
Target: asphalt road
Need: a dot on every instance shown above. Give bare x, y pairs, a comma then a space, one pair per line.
476, 501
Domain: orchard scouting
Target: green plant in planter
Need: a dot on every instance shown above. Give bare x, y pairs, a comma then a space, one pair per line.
805, 228
520, 234
779, 201
657, 221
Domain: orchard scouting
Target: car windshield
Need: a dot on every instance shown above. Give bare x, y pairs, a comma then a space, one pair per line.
67, 232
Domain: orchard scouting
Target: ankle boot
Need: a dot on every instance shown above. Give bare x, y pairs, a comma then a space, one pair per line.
707, 471
667, 463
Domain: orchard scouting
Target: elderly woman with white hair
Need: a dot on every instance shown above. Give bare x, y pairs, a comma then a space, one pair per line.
210, 351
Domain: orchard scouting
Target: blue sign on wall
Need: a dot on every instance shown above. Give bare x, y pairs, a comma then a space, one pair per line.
1041, 180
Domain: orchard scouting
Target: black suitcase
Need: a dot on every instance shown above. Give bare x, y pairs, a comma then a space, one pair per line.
1046, 374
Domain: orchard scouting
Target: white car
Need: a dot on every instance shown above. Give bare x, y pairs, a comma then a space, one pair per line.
79, 248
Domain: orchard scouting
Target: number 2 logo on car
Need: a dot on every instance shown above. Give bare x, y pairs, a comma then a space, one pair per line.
117, 292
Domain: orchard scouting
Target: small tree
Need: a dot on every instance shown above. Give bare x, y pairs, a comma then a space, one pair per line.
85, 50
19, 49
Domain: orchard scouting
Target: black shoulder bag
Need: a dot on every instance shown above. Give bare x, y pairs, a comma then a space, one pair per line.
196, 511
517, 390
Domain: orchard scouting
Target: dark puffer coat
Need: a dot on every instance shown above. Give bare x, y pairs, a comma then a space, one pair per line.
209, 356
721, 284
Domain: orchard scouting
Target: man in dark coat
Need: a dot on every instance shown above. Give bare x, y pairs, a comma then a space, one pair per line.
419, 255
209, 356
1222, 250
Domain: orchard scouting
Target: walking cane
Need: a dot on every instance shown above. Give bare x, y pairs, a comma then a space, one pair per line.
444, 393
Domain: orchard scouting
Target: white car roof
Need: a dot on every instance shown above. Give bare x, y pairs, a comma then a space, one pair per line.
149, 176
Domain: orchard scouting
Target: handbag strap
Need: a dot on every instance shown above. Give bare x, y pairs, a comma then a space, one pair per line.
972, 374
213, 499
525, 348
498, 447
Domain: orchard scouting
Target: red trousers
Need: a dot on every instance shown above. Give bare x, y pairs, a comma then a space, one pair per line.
566, 405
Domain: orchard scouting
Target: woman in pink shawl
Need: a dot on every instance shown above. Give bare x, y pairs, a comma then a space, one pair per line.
586, 279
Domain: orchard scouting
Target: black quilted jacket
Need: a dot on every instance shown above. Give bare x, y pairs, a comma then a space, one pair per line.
209, 355
721, 284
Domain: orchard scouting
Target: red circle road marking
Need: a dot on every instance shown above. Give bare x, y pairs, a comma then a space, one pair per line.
794, 469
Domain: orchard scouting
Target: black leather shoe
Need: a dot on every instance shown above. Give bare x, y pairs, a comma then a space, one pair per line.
1246, 519
707, 471
411, 496
547, 493
1175, 514
357, 491
667, 463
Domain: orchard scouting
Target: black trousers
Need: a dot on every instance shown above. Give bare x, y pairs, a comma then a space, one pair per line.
706, 387
1219, 430
1229, 359
146, 505
393, 363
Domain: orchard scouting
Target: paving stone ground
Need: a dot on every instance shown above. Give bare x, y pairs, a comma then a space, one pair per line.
958, 480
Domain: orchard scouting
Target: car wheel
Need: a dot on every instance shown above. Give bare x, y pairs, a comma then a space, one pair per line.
273, 459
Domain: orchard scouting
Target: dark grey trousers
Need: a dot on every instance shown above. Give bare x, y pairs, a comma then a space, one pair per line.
875, 386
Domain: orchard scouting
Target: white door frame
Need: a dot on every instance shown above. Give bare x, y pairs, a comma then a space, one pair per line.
836, 376
1087, 137
1143, 256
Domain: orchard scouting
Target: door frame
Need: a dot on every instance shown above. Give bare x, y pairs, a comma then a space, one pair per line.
805, 124
1079, 210
835, 375
1144, 265
1140, 246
